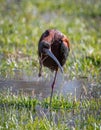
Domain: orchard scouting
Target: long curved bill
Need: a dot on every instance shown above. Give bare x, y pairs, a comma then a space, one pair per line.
49, 53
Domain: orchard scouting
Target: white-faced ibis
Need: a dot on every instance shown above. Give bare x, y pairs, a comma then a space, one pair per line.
53, 49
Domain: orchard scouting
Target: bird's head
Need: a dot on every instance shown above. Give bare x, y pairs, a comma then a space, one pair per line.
45, 49
43, 46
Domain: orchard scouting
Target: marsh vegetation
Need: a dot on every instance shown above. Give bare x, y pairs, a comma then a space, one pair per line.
21, 24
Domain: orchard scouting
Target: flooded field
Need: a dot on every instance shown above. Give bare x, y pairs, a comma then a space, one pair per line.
24, 97
34, 86
71, 102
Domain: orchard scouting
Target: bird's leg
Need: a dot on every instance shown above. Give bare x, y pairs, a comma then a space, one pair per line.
41, 63
40, 69
52, 95
53, 87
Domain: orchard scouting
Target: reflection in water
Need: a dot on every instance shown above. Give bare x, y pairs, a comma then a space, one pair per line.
40, 87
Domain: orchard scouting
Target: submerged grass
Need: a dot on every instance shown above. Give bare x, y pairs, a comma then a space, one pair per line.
21, 24
18, 112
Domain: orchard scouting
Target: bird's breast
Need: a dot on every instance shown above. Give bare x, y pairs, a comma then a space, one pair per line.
50, 63
60, 52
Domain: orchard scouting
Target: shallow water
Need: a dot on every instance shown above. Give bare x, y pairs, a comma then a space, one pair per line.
32, 85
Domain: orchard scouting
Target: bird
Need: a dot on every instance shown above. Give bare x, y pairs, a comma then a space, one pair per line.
53, 50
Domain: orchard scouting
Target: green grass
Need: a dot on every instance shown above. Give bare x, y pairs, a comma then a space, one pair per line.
21, 25
20, 112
